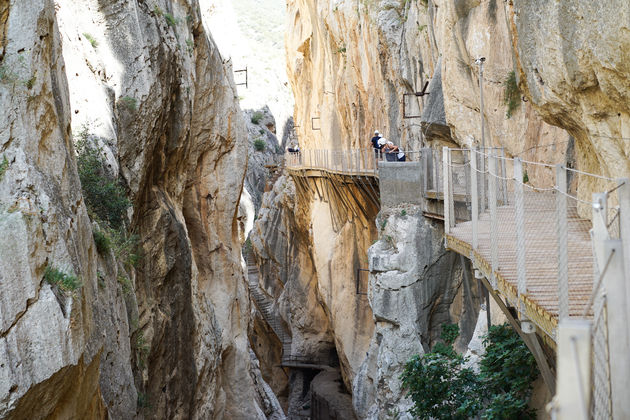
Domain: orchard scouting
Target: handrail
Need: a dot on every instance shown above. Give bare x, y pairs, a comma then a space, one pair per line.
353, 161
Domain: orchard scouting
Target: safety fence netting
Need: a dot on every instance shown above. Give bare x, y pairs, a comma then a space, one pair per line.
534, 225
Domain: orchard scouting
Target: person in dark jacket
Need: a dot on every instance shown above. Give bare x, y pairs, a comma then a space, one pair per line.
374, 140
375, 144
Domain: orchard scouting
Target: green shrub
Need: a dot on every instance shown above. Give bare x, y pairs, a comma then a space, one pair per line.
170, 20
142, 349
260, 145
157, 11
441, 387
30, 82
130, 103
256, 117
105, 198
511, 94
91, 39
102, 241
143, 400
65, 282
125, 283
507, 366
525, 177
4, 165
403, 213
7, 75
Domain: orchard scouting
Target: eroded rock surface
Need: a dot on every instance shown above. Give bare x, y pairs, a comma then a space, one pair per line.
415, 287
146, 84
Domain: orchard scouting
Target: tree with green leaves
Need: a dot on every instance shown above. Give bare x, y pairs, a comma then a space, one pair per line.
441, 387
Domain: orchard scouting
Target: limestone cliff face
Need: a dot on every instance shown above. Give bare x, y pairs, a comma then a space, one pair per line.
415, 287
147, 85
573, 65
350, 64
45, 334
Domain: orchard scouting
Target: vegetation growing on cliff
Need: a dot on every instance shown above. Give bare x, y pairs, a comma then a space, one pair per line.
440, 385
511, 94
57, 277
106, 201
260, 145
4, 165
105, 197
91, 39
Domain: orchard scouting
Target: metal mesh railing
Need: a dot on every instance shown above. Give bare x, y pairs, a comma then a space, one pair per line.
354, 161
537, 236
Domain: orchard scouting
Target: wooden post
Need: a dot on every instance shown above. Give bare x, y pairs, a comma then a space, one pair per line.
563, 243
494, 229
474, 198
572, 400
447, 204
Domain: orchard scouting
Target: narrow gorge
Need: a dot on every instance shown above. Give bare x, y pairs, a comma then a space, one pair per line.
164, 255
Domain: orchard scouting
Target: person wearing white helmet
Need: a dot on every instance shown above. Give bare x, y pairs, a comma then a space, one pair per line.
374, 140
376, 145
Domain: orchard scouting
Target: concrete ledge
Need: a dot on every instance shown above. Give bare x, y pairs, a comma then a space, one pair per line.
400, 182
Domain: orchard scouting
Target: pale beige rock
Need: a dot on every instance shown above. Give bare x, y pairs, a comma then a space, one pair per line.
415, 286
164, 112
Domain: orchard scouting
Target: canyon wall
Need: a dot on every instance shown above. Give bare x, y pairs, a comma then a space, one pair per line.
354, 67
161, 335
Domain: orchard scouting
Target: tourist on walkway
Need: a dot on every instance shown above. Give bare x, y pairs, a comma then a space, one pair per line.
374, 141
391, 151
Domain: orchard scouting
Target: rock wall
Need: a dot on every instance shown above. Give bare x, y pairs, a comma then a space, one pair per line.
359, 59
415, 287
168, 337
310, 270
48, 366
572, 64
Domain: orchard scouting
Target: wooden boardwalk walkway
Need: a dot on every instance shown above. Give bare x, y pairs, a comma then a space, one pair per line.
538, 260
541, 298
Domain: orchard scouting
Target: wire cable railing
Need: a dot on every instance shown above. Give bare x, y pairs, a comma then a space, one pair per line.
544, 243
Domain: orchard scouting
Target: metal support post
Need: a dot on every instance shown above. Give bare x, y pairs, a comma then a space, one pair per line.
447, 204
480, 62
618, 340
494, 229
482, 189
520, 233
474, 198
451, 199
563, 243
572, 400
624, 231
436, 170
504, 180
609, 257
486, 294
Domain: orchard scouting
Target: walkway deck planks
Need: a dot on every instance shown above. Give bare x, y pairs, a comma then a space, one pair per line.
541, 252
